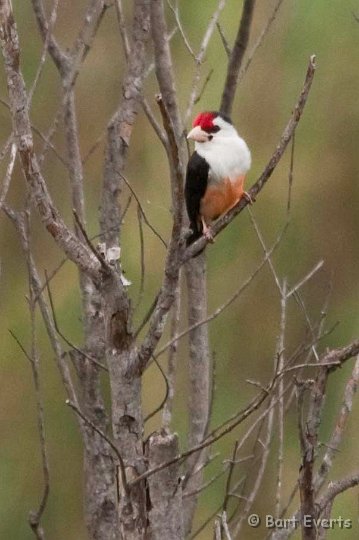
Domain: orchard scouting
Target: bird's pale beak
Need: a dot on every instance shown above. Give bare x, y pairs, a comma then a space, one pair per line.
197, 134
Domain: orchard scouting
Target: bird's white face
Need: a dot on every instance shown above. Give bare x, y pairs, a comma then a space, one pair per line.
209, 126
217, 141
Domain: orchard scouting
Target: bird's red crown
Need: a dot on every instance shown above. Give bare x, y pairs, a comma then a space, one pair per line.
204, 120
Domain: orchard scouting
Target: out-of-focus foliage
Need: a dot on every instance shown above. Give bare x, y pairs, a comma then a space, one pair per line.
324, 224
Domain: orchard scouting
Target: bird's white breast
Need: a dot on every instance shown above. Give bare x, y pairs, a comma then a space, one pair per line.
228, 157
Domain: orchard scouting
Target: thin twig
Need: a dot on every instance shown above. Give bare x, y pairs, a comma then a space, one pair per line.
204, 86
318, 337
58, 56
57, 328
155, 232
122, 27
232, 463
200, 57
259, 41
175, 11
164, 401
306, 278
97, 254
107, 439
203, 487
280, 352
309, 324
154, 123
142, 257
262, 242
43, 137
205, 523
46, 42
259, 475
290, 174
35, 516
45, 311
224, 39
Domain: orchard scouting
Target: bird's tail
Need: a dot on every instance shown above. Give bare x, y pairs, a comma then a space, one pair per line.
193, 237
195, 232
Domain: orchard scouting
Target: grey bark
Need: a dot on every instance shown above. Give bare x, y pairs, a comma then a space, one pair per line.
165, 490
199, 380
48, 213
120, 128
127, 422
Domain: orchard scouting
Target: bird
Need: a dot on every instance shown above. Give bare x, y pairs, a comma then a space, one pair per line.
215, 172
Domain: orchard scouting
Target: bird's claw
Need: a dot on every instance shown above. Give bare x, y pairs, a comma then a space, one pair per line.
207, 233
248, 197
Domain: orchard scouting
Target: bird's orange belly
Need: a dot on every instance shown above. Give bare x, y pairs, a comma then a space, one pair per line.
219, 198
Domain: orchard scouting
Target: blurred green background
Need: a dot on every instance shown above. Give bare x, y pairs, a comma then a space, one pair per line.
324, 225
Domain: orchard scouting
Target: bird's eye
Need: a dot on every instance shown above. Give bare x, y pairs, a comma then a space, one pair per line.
210, 137
212, 129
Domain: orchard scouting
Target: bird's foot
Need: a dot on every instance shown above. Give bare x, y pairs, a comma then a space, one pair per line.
207, 233
248, 197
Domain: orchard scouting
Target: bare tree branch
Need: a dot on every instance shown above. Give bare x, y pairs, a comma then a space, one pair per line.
145, 218
50, 216
236, 57
176, 13
259, 475
35, 516
309, 438
306, 278
163, 65
46, 46
281, 361
199, 372
172, 358
59, 58
6, 182
217, 434
230, 300
224, 40
165, 492
308, 441
38, 288
338, 432
119, 130
171, 120
335, 489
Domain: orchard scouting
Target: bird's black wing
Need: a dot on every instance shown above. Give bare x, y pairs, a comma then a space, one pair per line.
195, 188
